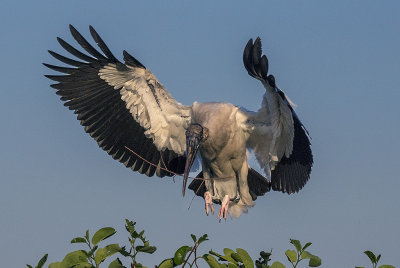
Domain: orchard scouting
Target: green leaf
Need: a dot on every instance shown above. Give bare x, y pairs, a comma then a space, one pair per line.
371, 256
87, 236
193, 238
102, 234
167, 263
307, 245
246, 259
266, 255
75, 258
386, 266
306, 255
83, 265
116, 264
56, 265
211, 261
103, 253
228, 255
130, 226
296, 243
78, 240
180, 254
277, 264
291, 255
236, 257
220, 257
315, 261
202, 239
378, 258
124, 252
360, 267
146, 249
42, 261
231, 265
134, 234
29, 266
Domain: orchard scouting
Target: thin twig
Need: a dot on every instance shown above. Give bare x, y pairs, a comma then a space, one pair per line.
195, 257
162, 160
167, 170
187, 259
198, 188
191, 201
148, 162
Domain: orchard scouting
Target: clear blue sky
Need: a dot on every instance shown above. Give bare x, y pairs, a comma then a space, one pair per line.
338, 60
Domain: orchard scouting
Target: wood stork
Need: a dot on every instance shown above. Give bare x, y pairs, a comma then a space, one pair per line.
134, 119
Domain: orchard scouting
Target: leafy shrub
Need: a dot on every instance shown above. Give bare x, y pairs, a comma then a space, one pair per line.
186, 256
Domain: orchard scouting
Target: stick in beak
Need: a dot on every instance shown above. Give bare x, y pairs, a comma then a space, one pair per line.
194, 137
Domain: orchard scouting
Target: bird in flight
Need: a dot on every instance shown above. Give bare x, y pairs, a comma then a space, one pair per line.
132, 117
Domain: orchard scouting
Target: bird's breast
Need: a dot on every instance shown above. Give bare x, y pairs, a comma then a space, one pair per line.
225, 147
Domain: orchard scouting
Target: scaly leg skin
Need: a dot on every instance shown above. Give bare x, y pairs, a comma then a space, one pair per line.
223, 210
209, 203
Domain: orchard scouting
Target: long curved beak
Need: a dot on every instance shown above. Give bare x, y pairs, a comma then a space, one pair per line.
193, 141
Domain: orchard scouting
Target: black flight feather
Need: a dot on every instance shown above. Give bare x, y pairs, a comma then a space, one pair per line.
85, 44
255, 63
67, 60
74, 51
130, 60
297, 167
102, 45
65, 70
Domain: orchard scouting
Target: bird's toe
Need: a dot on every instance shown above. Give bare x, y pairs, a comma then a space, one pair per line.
208, 203
223, 210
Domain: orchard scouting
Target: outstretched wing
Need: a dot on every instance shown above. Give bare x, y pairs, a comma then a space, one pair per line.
278, 139
123, 107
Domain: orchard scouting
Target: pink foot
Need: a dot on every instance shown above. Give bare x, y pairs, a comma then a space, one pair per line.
223, 210
209, 203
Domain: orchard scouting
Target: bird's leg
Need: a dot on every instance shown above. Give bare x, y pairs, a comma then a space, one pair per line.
223, 210
209, 203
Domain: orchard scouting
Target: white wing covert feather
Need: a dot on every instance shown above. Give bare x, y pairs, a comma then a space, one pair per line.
164, 119
271, 130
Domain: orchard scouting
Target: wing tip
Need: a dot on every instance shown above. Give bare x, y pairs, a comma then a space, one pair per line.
72, 29
255, 63
132, 61
101, 44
